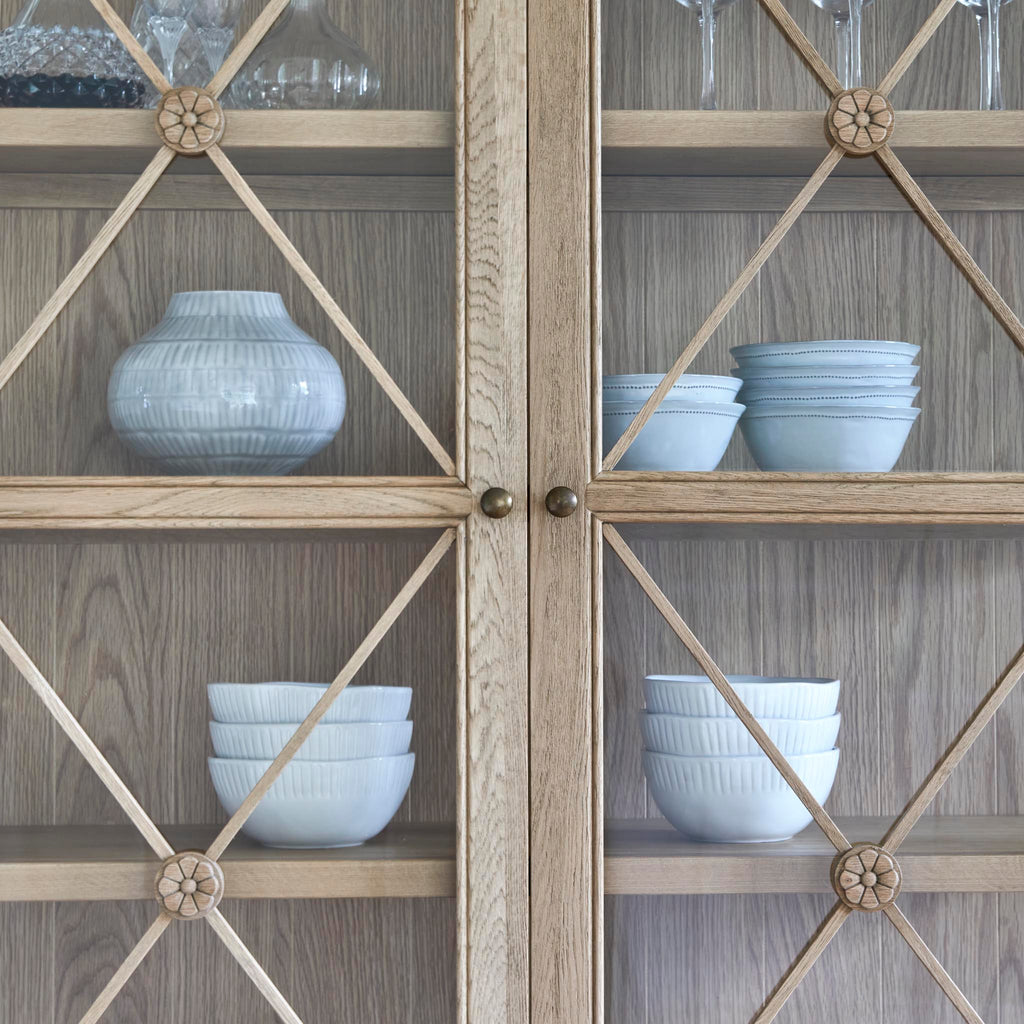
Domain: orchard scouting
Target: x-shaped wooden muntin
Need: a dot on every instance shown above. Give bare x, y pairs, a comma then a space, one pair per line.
891, 165
149, 177
153, 836
897, 832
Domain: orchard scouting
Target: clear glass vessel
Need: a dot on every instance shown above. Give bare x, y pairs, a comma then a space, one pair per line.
846, 14
307, 63
60, 53
987, 14
707, 13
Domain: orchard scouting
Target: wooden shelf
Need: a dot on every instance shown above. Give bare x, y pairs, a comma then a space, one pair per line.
942, 854
763, 143
312, 504
113, 863
963, 499
257, 141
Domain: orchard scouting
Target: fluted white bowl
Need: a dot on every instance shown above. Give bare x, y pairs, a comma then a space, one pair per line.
765, 696
736, 799
728, 737
339, 741
267, 703
316, 804
681, 435
694, 387
818, 353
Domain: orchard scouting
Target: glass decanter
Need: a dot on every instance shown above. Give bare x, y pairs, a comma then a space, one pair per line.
61, 53
307, 63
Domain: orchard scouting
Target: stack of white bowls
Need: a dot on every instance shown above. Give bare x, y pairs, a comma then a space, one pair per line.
343, 785
707, 774
827, 406
690, 429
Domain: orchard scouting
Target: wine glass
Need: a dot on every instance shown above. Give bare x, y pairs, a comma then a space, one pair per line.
214, 22
167, 20
987, 13
707, 13
847, 17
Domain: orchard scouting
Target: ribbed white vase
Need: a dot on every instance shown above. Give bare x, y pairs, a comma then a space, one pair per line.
226, 384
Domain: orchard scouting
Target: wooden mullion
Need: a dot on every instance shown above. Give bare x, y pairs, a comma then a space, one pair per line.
915, 46
132, 45
956, 752
243, 50
333, 310
259, 977
954, 248
81, 739
693, 645
805, 49
347, 674
922, 951
802, 964
731, 297
127, 969
85, 264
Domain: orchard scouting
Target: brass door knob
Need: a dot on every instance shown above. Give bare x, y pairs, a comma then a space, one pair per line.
496, 502
561, 502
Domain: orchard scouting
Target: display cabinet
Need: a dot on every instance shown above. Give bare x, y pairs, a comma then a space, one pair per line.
660, 236
396, 237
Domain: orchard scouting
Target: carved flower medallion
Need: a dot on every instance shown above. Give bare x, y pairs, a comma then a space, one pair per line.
189, 120
860, 120
866, 877
189, 885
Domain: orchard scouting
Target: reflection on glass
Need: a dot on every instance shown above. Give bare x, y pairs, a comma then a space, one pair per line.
707, 13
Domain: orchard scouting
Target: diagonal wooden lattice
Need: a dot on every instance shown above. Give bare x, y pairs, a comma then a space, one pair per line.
889, 162
152, 834
149, 177
897, 833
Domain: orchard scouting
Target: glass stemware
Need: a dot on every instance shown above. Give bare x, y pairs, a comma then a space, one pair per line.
987, 14
847, 16
214, 23
707, 14
167, 20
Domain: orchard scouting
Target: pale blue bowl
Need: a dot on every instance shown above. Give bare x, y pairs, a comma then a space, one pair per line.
873, 375
898, 397
818, 353
693, 387
827, 439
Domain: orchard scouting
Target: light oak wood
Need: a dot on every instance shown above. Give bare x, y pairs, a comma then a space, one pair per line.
344, 677
111, 862
259, 141
333, 310
935, 969
783, 20
92, 255
916, 45
132, 45
803, 963
127, 969
286, 503
945, 853
719, 313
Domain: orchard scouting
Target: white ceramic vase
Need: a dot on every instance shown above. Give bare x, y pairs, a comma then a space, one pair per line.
226, 384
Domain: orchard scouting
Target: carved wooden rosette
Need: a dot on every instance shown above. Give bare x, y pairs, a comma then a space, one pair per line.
189, 120
866, 877
189, 885
860, 120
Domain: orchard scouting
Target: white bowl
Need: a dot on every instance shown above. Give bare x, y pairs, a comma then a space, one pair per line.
728, 737
695, 387
267, 703
316, 804
736, 799
764, 696
865, 375
338, 742
681, 436
832, 439
765, 395
818, 353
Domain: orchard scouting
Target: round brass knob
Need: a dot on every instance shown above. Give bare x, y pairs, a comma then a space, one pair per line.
561, 502
496, 502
